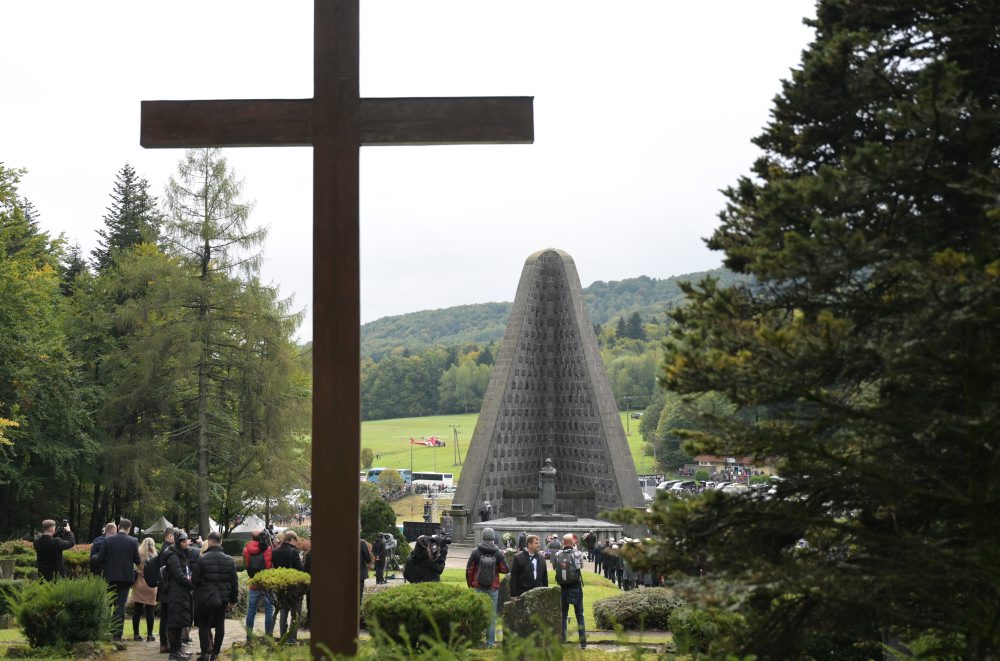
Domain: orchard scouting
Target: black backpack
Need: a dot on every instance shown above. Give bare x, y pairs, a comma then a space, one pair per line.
151, 571
487, 570
257, 563
564, 562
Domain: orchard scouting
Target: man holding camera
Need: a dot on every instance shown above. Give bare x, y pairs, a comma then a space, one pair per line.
49, 547
426, 562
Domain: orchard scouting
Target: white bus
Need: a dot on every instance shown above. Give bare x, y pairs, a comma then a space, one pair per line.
423, 481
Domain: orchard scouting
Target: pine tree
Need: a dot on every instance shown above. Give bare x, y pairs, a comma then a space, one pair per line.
621, 330
132, 218
871, 224
634, 328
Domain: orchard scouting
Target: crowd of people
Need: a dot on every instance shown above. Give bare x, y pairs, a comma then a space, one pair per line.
193, 580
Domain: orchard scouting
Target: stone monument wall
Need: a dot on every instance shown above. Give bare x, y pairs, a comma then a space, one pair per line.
549, 396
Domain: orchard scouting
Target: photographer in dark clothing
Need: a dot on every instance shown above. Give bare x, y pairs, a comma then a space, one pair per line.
287, 555
49, 548
215, 586
378, 548
426, 562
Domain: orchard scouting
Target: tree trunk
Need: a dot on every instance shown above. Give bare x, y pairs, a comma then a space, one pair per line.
203, 527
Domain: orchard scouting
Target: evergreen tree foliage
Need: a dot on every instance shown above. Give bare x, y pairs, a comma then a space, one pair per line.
872, 227
131, 219
634, 328
621, 329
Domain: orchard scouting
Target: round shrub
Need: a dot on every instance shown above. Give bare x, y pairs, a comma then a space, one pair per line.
7, 587
77, 562
642, 608
63, 612
709, 631
234, 547
412, 612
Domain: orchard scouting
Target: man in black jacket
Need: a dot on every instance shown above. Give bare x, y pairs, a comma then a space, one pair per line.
426, 562
528, 570
215, 585
287, 555
118, 559
161, 591
49, 548
95, 547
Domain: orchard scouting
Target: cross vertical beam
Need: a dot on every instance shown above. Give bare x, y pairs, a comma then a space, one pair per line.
336, 430
336, 122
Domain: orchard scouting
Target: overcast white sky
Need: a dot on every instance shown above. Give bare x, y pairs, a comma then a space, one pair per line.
644, 109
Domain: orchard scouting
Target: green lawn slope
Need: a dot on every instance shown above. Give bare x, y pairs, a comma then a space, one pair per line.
390, 440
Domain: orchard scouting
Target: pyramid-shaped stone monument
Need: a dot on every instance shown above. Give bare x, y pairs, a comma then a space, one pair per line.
549, 397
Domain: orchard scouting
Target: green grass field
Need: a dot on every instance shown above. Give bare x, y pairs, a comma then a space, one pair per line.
390, 440
595, 587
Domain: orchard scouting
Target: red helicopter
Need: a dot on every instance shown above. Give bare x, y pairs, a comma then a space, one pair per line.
430, 441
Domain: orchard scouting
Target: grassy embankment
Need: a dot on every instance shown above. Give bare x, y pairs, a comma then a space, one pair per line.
390, 440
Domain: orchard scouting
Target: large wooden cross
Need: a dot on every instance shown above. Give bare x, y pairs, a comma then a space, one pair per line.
336, 122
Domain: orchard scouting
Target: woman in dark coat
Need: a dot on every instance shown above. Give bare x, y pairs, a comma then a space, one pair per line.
215, 587
178, 598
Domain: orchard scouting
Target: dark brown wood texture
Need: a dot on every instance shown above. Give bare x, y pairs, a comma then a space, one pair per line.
336, 122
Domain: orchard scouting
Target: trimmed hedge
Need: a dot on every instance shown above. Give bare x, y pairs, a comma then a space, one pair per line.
634, 610
233, 547
410, 613
7, 587
707, 631
60, 613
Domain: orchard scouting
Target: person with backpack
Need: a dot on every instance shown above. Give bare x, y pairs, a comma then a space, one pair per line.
257, 557
568, 566
482, 573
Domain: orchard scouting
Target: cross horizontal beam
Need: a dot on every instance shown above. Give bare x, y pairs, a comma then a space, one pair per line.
383, 121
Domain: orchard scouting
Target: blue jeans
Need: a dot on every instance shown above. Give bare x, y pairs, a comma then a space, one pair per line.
491, 633
256, 596
573, 595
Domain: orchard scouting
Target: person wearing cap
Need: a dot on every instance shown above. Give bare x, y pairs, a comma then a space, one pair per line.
484, 555
178, 599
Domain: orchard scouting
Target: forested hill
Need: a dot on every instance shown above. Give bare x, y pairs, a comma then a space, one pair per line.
483, 323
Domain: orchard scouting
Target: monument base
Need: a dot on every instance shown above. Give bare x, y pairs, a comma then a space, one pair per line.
560, 525
549, 516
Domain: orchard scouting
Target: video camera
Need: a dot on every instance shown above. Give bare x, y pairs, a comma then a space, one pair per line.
441, 539
267, 537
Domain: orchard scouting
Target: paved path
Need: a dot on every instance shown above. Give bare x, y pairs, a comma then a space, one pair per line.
235, 631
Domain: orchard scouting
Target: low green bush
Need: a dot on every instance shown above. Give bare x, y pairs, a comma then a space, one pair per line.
709, 631
635, 610
63, 612
77, 562
18, 548
238, 559
6, 588
285, 587
420, 613
233, 546
25, 573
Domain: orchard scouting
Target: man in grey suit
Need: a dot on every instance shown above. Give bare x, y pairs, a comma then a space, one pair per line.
119, 558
